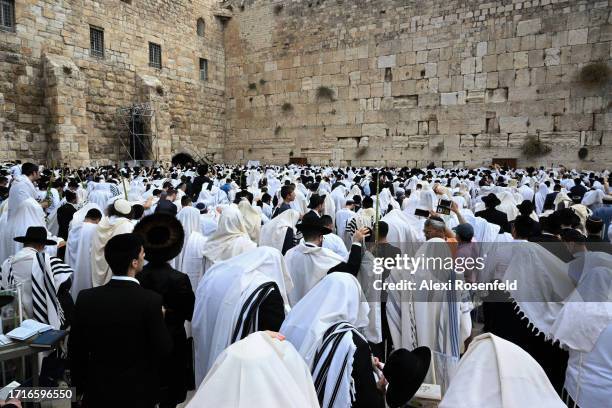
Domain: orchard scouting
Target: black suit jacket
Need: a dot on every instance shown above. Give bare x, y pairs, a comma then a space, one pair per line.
116, 346
495, 217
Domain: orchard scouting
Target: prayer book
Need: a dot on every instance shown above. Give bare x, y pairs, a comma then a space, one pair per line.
48, 339
429, 391
28, 329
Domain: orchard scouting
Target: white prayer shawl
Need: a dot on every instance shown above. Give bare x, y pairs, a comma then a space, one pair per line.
209, 224
28, 214
342, 218
258, 371
401, 234
192, 260
21, 189
78, 255
334, 243
252, 219
230, 239
223, 301
329, 207
300, 203
543, 285
338, 194
496, 373
593, 199
273, 233
106, 229
40, 290
190, 220
588, 310
308, 264
337, 298
79, 215
540, 197
508, 205
427, 318
527, 192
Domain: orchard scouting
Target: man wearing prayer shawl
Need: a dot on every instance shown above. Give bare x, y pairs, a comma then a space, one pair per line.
584, 326
280, 232
495, 373
235, 298
324, 328
431, 318
261, 370
191, 259
78, 249
45, 280
115, 223
309, 262
230, 239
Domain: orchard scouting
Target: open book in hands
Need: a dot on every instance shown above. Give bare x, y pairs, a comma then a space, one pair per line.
28, 329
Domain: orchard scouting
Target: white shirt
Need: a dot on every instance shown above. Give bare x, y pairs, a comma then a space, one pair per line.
125, 278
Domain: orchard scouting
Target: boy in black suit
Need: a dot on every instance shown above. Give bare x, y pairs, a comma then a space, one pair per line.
118, 339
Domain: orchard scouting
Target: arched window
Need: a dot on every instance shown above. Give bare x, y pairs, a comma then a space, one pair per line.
201, 27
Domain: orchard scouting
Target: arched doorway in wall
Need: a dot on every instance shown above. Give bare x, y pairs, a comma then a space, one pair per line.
182, 159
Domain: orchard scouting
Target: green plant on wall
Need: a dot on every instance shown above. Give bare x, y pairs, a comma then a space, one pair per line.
287, 107
277, 130
252, 86
583, 152
595, 74
277, 9
439, 148
325, 93
534, 147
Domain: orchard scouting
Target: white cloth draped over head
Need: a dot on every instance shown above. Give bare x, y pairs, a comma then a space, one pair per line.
16, 223
543, 284
225, 309
230, 239
540, 197
335, 300
588, 309
508, 205
401, 233
78, 255
273, 233
307, 265
252, 219
189, 260
106, 229
258, 371
496, 373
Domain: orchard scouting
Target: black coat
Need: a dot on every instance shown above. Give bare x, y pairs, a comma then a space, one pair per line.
117, 344
64, 216
178, 300
495, 217
366, 393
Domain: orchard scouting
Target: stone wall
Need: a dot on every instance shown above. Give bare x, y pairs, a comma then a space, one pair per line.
406, 82
40, 105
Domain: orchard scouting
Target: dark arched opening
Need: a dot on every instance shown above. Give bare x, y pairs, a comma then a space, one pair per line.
182, 159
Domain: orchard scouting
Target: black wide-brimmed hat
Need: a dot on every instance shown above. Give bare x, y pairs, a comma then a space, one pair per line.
491, 200
405, 371
162, 236
311, 222
36, 235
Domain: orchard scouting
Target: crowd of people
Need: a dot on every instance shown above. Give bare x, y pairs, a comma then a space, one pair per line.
256, 285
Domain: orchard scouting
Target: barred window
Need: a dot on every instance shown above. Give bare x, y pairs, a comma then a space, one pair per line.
96, 39
201, 27
7, 15
155, 58
203, 69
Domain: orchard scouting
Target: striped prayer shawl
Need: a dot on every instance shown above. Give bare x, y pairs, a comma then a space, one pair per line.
333, 365
248, 320
47, 276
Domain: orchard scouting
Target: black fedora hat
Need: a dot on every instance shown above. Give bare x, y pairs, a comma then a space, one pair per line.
491, 200
405, 371
162, 237
312, 222
37, 235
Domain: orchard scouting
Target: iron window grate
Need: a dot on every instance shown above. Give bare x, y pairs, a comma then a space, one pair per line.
96, 37
155, 55
7, 15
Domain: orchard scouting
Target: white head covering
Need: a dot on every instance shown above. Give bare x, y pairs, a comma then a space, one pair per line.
543, 283
496, 373
257, 371
540, 197
335, 300
190, 219
221, 295
588, 310
231, 237
252, 219
273, 233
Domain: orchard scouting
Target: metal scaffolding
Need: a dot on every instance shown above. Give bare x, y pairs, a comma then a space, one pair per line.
140, 143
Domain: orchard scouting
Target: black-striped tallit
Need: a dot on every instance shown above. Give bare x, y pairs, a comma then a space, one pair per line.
333, 366
48, 273
248, 320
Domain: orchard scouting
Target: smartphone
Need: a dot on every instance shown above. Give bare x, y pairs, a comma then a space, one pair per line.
5, 392
444, 207
421, 213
